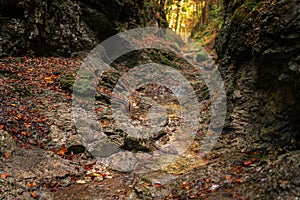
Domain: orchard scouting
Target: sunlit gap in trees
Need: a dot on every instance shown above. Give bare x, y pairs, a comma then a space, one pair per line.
184, 16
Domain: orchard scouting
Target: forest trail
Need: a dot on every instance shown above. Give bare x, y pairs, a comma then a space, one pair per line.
235, 169
44, 154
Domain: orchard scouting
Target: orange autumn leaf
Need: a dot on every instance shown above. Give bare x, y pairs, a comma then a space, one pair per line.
5, 176
25, 133
146, 184
7, 155
50, 79
157, 185
99, 109
89, 166
249, 162
228, 177
22, 108
33, 184
19, 116
184, 184
30, 70
237, 169
28, 184
104, 123
33, 195
63, 151
228, 190
238, 180
26, 125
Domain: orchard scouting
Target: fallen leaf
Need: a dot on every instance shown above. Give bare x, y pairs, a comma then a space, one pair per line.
14, 130
146, 184
157, 185
228, 177
237, 169
49, 79
249, 162
228, 190
27, 125
5, 176
63, 151
96, 174
104, 123
7, 155
33, 195
184, 184
25, 133
28, 184
89, 166
19, 116
81, 181
202, 194
208, 180
237, 180
99, 109
30, 70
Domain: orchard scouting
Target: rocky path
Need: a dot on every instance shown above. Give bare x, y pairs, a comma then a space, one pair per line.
47, 159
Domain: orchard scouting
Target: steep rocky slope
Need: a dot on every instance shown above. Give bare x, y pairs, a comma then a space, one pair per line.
258, 48
46, 27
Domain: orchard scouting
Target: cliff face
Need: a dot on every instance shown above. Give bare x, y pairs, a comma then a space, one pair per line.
56, 27
258, 48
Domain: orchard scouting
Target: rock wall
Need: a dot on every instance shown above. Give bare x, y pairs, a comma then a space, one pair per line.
60, 27
258, 49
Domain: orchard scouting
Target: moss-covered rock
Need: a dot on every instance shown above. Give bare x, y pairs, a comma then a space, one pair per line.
258, 50
67, 82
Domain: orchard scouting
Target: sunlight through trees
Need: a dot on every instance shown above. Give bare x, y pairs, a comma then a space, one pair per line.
184, 16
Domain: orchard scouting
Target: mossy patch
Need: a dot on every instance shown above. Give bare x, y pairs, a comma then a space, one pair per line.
67, 82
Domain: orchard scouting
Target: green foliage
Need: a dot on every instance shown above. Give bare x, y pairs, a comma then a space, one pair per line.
216, 16
253, 5
67, 82
208, 31
239, 15
84, 84
165, 58
244, 10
